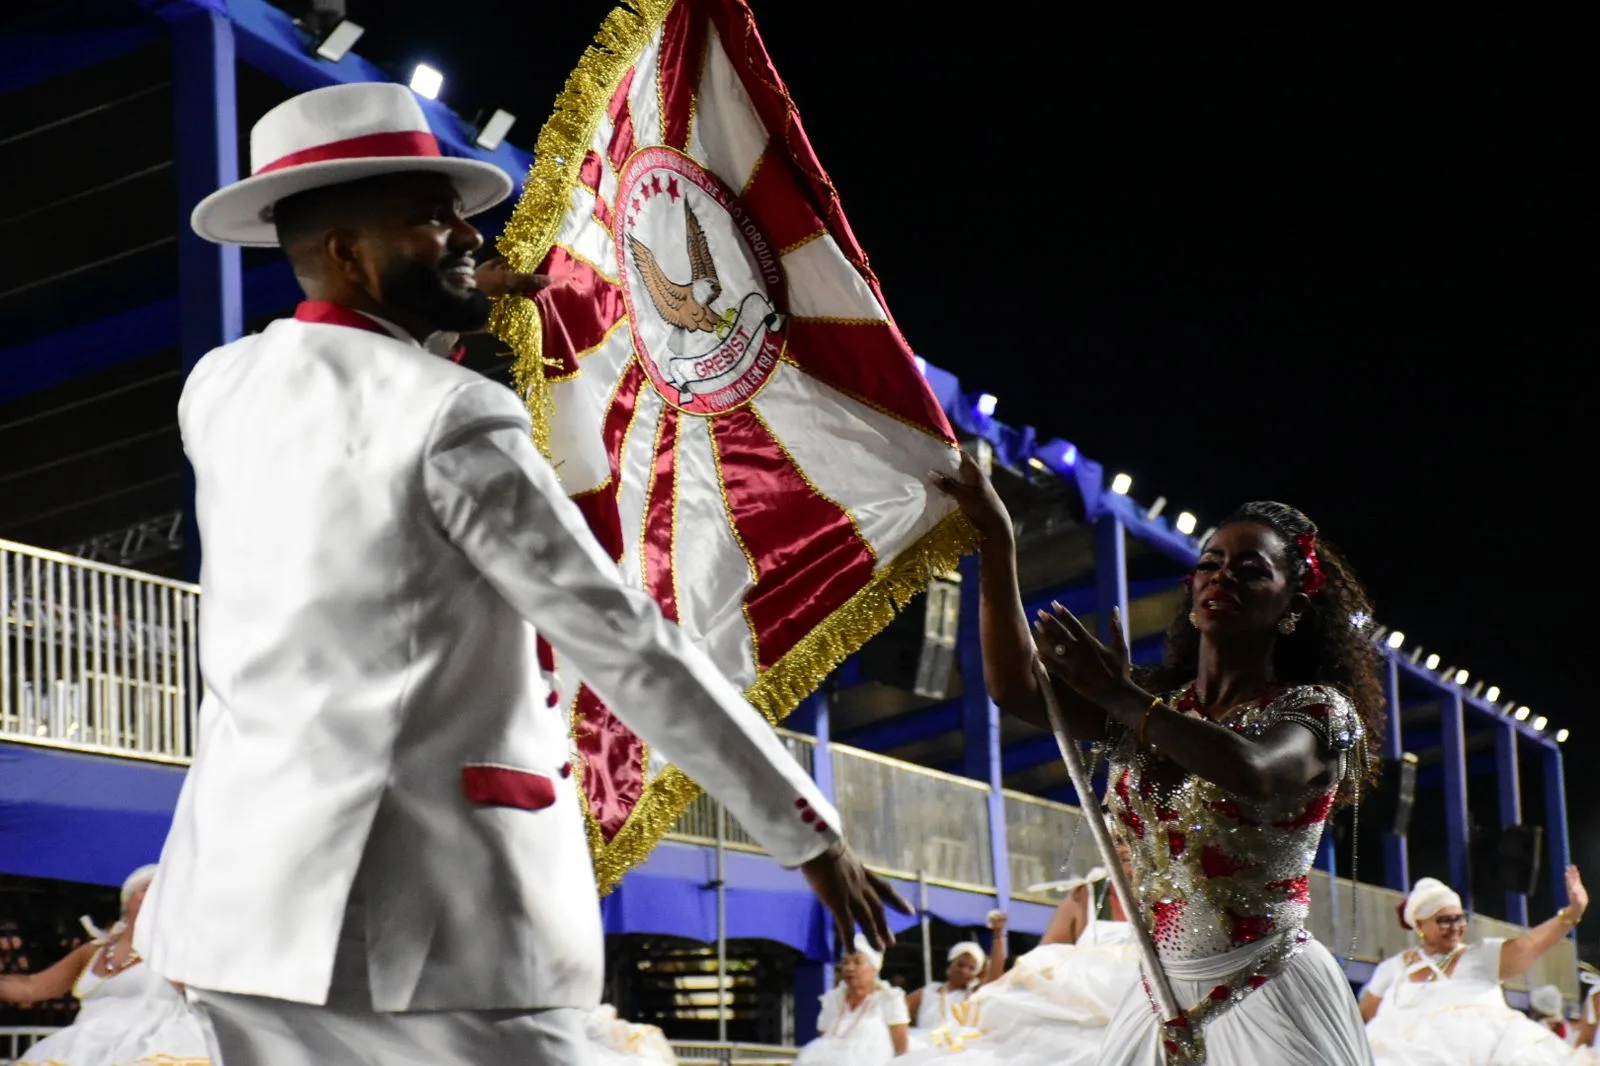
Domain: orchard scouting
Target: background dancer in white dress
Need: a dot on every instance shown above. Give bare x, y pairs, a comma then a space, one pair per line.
864, 1021
128, 1016
969, 968
382, 797
1441, 1004
1226, 764
619, 1043
1052, 1008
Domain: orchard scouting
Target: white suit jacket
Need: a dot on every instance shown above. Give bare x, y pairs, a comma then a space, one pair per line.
381, 542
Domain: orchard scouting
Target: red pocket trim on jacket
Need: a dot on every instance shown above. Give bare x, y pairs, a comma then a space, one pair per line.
502, 786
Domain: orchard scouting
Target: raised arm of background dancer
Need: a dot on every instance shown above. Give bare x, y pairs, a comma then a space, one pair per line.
46, 985
1070, 919
1518, 956
1287, 757
997, 949
1008, 651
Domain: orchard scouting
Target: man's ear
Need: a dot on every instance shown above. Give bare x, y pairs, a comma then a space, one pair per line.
343, 255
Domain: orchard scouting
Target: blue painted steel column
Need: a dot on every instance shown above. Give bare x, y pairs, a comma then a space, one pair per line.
1453, 748
981, 726
206, 138
1110, 573
1396, 849
1555, 823
1509, 782
813, 977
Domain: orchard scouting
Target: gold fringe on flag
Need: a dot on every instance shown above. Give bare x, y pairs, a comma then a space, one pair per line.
547, 192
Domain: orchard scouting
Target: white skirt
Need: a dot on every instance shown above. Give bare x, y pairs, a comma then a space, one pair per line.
152, 1027
1469, 1034
1305, 1015
1050, 1009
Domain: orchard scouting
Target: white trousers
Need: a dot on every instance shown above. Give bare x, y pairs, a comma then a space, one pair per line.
256, 1031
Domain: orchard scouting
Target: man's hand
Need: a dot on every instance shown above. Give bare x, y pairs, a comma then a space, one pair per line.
496, 278
854, 895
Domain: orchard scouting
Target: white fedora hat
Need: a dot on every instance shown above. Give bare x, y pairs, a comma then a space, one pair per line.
328, 137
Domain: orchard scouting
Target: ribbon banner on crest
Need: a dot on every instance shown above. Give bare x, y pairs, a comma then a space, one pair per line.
717, 382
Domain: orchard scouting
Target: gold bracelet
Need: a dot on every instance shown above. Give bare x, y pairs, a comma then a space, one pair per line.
1144, 723
1568, 920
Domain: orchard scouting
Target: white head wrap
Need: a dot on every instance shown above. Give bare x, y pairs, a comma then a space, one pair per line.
140, 877
1428, 897
967, 947
874, 958
1546, 999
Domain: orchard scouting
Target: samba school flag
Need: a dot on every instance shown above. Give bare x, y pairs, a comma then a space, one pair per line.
718, 384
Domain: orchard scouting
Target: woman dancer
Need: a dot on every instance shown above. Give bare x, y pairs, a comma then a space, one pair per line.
934, 1006
129, 1015
1052, 1008
864, 1021
1225, 764
1441, 1003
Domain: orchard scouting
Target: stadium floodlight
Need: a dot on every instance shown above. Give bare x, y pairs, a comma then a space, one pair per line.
1396, 640
1539, 723
1155, 509
494, 131
1522, 713
425, 81
1121, 484
987, 402
337, 42
1461, 677
1561, 736
1492, 694
1186, 523
1431, 663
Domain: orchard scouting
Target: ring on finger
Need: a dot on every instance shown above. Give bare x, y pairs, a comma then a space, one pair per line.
1060, 649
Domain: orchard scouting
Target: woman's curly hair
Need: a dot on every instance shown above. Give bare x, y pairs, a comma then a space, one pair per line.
1331, 645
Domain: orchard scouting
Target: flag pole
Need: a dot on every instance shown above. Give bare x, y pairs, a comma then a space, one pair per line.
1189, 1050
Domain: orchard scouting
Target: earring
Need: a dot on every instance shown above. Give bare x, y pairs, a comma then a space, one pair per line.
1287, 623
1193, 620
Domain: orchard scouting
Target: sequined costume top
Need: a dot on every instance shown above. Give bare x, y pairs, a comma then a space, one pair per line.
1213, 871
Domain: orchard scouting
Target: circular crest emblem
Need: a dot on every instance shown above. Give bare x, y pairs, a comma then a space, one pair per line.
703, 286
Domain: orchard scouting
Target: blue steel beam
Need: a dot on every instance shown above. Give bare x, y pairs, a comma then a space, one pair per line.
906, 728
1555, 827
1456, 820
981, 719
1509, 782
1396, 848
206, 133
1110, 574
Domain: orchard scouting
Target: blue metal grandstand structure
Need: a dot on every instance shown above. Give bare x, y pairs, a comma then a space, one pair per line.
121, 114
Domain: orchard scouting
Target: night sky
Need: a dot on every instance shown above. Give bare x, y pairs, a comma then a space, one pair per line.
1328, 256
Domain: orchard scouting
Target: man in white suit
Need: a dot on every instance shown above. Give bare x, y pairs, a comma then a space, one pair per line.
379, 855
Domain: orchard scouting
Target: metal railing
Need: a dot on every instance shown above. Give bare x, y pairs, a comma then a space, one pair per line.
698, 824
95, 657
15, 1040
722, 1054
1045, 842
907, 819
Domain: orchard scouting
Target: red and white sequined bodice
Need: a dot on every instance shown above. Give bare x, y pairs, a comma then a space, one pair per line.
1215, 872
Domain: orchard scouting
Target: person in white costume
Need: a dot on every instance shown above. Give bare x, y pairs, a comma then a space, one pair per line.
1226, 762
379, 854
1589, 1016
1550, 1011
968, 968
615, 1042
1441, 1004
1052, 1008
128, 1016
864, 1021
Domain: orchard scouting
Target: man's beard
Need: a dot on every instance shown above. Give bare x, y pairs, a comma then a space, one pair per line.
421, 289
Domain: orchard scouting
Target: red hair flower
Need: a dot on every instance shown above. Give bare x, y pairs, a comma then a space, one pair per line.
1307, 543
